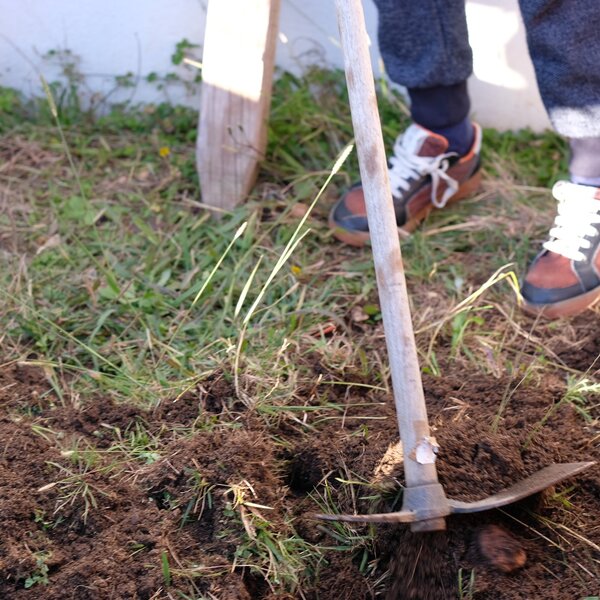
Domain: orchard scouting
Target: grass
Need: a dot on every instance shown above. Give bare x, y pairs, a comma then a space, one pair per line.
466, 585
40, 575
578, 393
117, 285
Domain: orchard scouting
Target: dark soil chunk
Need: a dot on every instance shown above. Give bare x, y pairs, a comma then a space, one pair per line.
501, 549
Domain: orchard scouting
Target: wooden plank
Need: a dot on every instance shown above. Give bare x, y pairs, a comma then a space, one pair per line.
237, 73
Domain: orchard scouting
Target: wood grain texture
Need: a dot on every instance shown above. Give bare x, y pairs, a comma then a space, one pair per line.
237, 73
391, 284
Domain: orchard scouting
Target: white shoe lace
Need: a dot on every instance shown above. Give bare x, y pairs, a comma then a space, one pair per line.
405, 165
578, 217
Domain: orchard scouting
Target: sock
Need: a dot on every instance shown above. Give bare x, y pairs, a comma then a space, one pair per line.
444, 109
584, 165
592, 181
460, 136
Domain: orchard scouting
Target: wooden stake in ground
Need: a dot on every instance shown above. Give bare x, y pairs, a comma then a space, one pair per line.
237, 73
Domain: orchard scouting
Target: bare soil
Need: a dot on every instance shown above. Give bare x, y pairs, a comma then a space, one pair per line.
117, 549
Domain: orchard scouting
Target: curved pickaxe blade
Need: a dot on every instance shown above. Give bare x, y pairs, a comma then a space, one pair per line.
537, 482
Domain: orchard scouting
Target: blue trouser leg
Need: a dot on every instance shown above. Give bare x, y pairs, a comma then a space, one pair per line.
424, 45
564, 43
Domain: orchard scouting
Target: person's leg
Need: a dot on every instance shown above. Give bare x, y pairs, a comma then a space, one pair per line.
425, 48
584, 165
424, 45
564, 44
565, 49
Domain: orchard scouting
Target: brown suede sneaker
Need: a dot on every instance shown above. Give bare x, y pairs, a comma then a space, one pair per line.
423, 176
564, 279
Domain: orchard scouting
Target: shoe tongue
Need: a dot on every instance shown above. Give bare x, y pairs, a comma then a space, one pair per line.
421, 142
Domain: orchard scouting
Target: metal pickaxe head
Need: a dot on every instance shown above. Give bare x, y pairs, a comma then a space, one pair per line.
425, 507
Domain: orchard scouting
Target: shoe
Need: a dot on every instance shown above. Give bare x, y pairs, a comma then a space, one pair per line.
564, 279
423, 176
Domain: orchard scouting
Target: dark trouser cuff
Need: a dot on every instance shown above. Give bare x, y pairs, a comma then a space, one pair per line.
440, 106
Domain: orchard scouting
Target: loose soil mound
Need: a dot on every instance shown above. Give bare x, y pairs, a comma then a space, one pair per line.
80, 522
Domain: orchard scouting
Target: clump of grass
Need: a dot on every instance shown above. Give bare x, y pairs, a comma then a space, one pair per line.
201, 496
75, 490
577, 395
344, 536
137, 443
275, 552
76, 485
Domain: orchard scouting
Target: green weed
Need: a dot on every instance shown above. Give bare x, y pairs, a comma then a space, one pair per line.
466, 586
344, 535
577, 395
202, 497
136, 443
40, 575
76, 487
46, 523
166, 568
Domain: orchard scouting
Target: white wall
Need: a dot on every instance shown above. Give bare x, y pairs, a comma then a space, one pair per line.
114, 37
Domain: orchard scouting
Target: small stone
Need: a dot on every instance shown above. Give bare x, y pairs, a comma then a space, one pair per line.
358, 315
298, 210
501, 548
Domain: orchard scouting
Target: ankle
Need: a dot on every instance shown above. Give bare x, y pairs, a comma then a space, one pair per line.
460, 136
444, 109
590, 181
584, 164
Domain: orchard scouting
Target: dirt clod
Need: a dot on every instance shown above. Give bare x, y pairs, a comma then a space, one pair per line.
501, 548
